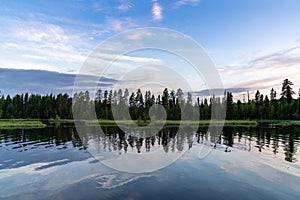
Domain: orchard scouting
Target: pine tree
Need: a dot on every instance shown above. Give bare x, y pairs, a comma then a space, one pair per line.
287, 91
165, 98
273, 94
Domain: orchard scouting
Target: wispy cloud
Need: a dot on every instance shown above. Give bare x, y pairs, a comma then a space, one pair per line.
106, 7
157, 11
42, 45
140, 35
125, 58
185, 2
97, 6
52, 36
34, 57
120, 24
264, 72
125, 5
29, 64
279, 59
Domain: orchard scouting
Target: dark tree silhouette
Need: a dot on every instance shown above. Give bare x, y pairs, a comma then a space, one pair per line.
50, 106
287, 91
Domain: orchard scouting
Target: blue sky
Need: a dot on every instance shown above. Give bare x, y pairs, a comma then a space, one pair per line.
254, 44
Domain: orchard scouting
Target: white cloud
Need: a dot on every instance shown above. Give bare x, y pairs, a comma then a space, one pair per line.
140, 35
125, 5
11, 64
279, 59
104, 57
265, 72
41, 32
185, 2
139, 59
31, 35
115, 24
47, 35
35, 45
46, 51
157, 11
45, 42
120, 24
36, 57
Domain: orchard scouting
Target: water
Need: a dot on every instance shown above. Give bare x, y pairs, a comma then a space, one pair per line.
242, 163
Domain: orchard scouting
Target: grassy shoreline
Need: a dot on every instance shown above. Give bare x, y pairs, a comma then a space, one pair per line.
39, 123
279, 122
21, 123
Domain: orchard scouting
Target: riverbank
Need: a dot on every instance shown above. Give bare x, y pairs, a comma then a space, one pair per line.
21, 123
39, 123
279, 122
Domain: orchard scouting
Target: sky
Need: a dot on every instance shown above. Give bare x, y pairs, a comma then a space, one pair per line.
254, 44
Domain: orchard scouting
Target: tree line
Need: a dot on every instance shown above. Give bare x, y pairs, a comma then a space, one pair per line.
35, 106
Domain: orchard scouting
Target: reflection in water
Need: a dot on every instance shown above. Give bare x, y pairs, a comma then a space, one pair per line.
52, 163
279, 142
21, 147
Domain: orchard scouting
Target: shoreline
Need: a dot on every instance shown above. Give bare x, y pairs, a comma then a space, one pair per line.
42, 123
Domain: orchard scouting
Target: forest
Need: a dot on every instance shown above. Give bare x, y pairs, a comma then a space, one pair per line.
271, 106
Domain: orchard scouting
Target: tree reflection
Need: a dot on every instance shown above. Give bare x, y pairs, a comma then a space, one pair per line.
290, 148
279, 141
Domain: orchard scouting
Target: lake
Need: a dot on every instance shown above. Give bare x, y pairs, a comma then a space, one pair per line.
242, 163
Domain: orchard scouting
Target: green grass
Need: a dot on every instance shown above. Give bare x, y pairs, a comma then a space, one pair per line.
214, 122
61, 122
37, 123
21, 123
174, 122
280, 122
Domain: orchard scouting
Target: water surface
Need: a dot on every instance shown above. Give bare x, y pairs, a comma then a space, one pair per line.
242, 163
